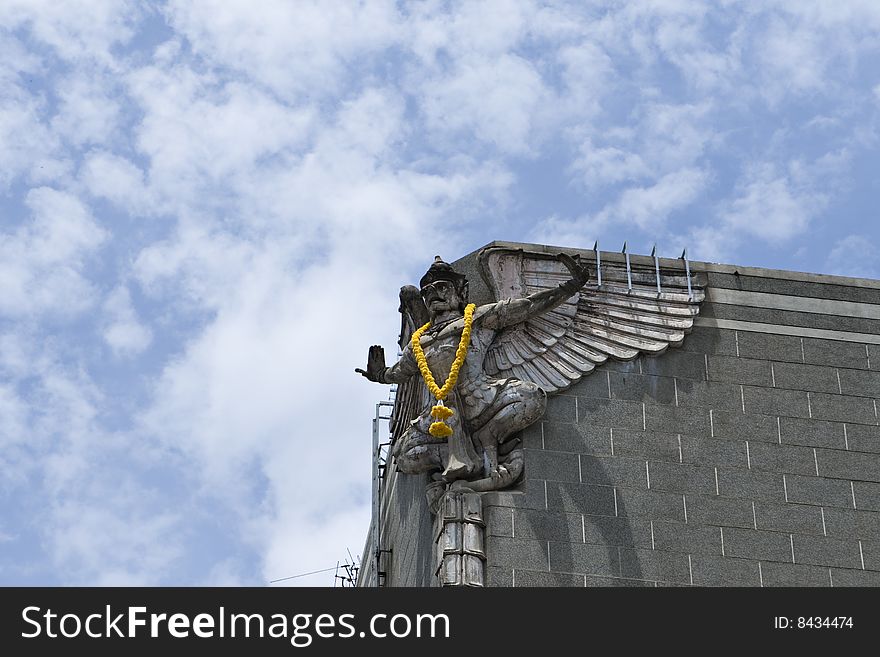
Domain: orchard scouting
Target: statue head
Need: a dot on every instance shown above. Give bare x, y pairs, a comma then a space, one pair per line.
443, 289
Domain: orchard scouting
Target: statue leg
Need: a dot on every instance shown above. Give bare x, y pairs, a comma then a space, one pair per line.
522, 403
417, 452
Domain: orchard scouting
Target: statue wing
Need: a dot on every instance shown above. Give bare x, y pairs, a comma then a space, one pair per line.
411, 395
556, 349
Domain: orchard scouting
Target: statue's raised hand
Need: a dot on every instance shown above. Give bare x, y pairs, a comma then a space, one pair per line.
579, 273
375, 364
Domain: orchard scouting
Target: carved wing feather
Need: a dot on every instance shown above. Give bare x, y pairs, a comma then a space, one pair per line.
411, 395
571, 357
556, 349
605, 348
536, 374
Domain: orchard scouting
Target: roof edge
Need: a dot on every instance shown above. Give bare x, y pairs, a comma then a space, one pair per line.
696, 265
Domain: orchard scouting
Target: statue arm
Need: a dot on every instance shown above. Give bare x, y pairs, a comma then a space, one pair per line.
403, 369
514, 311
376, 371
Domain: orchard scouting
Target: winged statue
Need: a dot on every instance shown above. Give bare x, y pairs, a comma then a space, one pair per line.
551, 325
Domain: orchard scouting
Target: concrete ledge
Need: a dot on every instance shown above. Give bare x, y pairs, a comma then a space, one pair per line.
791, 302
778, 329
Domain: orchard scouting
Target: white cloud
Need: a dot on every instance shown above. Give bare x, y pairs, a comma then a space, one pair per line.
24, 139
117, 179
13, 437
791, 60
810, 48
88, 111
123, 331
205, 141
94, 537
195, 268
27, 142
494, 100
575, 232
77, 483
854, 255
647, 208
654, 169
293, 49
777, 203
468, 30
676, 136
588, 77
475, 76
712, 243
770, 208
269, 387
330, 535
77, 30
41, 264
603, 166
830, 169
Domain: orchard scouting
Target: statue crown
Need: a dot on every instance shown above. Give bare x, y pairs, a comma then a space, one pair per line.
442, 271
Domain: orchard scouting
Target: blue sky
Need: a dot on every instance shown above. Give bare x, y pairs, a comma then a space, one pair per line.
207, 209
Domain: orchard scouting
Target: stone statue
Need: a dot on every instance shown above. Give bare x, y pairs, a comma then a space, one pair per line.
547, 330
487, 410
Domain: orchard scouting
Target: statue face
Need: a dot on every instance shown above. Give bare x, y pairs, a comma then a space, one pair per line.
441, 297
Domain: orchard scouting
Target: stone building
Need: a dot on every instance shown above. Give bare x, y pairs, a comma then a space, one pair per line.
747, 456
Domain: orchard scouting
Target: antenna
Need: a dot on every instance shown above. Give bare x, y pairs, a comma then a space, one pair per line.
350, 569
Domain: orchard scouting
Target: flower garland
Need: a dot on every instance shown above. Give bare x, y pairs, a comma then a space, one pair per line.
440, 429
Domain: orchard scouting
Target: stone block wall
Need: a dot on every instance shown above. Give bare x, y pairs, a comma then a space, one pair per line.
749, 456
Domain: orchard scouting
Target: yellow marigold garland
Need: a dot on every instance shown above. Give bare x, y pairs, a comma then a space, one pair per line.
440, 429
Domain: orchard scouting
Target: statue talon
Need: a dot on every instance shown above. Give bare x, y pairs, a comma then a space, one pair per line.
501, 476
455, 470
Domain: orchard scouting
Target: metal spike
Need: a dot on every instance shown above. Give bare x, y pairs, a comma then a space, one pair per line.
687, 268
656, 268
598, 264
629, 276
